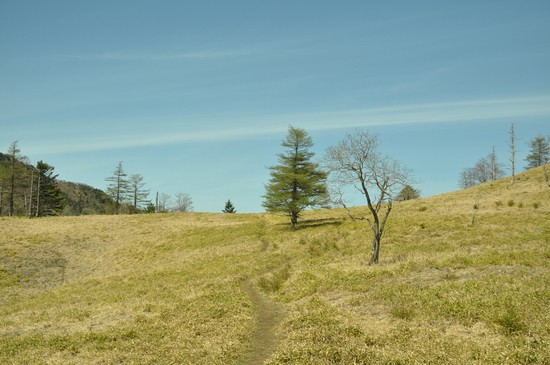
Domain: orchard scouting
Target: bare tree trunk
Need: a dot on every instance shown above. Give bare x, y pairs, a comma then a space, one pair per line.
512, 144
375, 249
30, 199
38, 198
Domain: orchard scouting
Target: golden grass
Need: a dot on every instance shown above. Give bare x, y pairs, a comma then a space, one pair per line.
175, 288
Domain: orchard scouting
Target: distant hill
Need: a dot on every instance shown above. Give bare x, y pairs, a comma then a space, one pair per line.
84, 199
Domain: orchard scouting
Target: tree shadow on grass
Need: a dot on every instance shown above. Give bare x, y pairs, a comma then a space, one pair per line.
314, 223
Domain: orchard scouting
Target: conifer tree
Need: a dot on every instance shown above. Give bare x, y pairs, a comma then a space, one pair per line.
539, 153
118, 187
48, 199
408, 193
296, 183
229, 208
137, 193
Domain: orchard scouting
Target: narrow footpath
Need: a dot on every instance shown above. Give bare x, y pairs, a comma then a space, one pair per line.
268, 315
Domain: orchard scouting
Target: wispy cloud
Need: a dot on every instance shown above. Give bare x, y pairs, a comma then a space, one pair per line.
207, 52
125, 56
234, 127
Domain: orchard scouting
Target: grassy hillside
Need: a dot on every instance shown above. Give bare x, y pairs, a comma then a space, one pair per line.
201, 288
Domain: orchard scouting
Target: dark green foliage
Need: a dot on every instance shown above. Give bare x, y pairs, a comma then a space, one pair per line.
296, 183
229, 208
539, 151
408, 193
48, 199
150, 208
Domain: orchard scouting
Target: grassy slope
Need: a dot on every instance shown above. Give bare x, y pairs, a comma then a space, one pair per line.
169, 288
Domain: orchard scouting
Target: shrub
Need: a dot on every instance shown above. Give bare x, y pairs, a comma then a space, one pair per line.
511, 203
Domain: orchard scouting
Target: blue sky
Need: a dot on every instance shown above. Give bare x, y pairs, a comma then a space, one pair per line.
197, 96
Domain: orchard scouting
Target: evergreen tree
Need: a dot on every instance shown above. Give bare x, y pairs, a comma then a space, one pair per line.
297, 182
136, 191
408, 193
48, 200
229, 208
118, 187
539, 151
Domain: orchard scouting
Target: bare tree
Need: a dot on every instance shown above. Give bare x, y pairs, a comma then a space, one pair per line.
163, 202
512, 145
356, 162
486, 169
467, 178
184, 203
496, 167
16, 179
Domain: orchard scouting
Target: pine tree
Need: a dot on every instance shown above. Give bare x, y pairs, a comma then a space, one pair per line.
408, 193
539, 151
229, 208
48, 200
118, 187
137, 193
296, 183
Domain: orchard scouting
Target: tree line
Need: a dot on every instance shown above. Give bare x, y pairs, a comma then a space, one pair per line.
130, 196
489, 168
35, 191
25, 189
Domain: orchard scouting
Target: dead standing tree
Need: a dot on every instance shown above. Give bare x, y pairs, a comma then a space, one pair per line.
356, 161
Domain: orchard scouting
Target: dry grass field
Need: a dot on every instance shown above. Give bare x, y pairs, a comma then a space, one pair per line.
204, 288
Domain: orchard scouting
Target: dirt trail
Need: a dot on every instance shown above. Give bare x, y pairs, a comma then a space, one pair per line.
268, 315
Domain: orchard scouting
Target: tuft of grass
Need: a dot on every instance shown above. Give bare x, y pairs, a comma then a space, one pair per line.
511, 322
401, 312
275, 280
